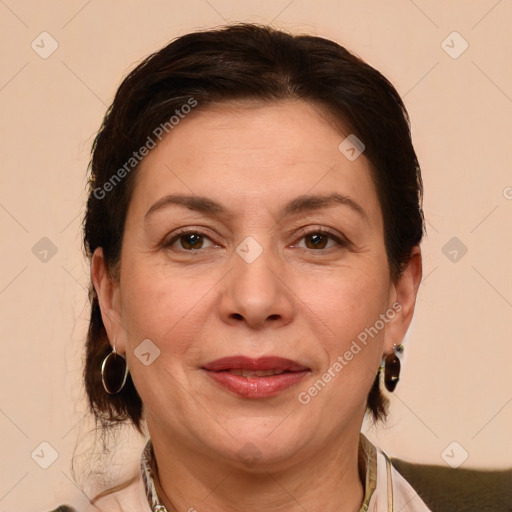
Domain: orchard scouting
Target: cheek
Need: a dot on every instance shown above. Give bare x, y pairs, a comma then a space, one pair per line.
351, 307
165, 310
352, 350
161, 307
351, 303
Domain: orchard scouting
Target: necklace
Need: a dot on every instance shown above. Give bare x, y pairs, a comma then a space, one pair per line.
160, 493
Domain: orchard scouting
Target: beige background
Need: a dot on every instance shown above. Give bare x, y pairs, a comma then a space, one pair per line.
456, 381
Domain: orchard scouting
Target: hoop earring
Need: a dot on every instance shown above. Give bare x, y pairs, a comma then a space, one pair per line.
392, 368
114, 371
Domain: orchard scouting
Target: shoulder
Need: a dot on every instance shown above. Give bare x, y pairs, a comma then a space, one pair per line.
443, 488
128, 497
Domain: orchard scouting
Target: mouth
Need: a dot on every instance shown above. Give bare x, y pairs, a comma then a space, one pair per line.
255, 378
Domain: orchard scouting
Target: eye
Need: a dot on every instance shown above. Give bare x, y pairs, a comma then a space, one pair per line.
189, 241
320, 240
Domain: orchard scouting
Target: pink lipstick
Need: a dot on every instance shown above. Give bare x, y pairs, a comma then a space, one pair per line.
255, 378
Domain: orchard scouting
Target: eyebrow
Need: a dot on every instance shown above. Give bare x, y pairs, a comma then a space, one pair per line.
308, 203
301, 204
192, 202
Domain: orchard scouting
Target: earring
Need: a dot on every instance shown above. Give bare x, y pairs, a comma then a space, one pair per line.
392, 368
114, 372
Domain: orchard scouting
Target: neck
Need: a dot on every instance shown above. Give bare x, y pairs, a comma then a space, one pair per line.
330, 481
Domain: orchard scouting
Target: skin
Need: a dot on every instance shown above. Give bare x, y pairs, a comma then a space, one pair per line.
293, 301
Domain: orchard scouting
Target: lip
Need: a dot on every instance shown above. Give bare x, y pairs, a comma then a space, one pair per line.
248, 363
254, 386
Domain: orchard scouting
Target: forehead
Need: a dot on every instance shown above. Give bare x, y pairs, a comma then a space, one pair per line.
266, 152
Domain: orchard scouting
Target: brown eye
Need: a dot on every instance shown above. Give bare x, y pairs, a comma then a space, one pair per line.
320, 241
317, 241
191, 241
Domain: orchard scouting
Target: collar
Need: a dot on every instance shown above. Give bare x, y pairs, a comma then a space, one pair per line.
367, 459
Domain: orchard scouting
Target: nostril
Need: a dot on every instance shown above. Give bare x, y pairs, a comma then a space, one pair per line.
237, 316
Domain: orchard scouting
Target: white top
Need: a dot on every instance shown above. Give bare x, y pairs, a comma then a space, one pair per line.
386, 490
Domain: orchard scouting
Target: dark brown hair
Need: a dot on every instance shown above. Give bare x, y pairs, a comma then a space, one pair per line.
243, 61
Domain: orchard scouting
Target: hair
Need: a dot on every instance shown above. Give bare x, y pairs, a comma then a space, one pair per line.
243, 62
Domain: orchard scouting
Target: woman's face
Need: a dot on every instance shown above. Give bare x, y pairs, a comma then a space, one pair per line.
251, 236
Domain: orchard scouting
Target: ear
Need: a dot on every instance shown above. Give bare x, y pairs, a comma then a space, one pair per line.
107, 290
403, 300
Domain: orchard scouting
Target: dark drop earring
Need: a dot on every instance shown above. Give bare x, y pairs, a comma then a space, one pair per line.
392, 368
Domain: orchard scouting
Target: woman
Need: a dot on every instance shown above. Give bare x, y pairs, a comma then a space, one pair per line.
253, 224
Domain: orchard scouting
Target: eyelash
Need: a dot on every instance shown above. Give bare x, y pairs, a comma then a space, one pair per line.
340, 242
318, 231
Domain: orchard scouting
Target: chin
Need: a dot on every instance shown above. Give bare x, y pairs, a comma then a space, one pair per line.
260, 447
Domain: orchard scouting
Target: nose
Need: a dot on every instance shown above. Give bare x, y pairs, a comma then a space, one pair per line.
256, 293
